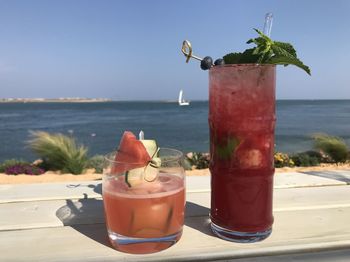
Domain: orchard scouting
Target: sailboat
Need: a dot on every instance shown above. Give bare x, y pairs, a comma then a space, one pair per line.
182, 102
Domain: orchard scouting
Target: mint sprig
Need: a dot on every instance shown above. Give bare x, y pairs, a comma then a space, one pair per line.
267, 51
226, 151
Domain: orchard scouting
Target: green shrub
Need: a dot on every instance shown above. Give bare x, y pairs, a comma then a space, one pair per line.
282, 160
11, 162
332, 146
315, 154
186, 164
305, 159
96, 162
198, 160
59, 152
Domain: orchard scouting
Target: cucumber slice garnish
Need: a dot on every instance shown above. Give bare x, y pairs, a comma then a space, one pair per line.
134, 176
156, 162
149, 173
151, 146
137, 176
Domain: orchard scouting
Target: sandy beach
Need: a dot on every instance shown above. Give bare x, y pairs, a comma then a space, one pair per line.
51, 177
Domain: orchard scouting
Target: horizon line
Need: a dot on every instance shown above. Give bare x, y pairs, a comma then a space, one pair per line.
99, 100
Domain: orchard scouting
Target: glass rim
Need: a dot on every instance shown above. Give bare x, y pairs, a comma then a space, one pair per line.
243, 65
178, 156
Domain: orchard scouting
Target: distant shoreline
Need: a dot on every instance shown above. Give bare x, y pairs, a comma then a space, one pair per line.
99, 100
54, 100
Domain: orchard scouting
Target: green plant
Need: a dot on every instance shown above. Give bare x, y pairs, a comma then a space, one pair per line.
198, 160
315, 154
267, 51
186, 164
96, 162
305, 159
11, 162
282, 160
332, 146
59, 152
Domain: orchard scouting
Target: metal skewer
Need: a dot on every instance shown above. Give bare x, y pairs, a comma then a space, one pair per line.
187, 51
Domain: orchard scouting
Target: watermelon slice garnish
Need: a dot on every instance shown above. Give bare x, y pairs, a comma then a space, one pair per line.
131, 154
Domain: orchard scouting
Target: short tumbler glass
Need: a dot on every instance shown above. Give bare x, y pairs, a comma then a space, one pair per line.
147, 217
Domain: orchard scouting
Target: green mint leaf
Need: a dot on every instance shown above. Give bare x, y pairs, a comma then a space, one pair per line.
232, 58
249, 56
267, 51
287, 47
225, 152
262, 35
263, 47
281, 52
258, 41
287, 60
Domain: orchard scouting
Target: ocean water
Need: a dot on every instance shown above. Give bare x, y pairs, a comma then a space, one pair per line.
100, 125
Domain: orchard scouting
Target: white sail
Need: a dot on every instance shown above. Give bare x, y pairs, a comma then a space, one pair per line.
181, 101
180, 96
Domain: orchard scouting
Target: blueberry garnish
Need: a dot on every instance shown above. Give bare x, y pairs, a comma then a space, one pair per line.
219, 61
206, 63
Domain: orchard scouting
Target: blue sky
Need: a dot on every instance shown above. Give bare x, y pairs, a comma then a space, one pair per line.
130, 50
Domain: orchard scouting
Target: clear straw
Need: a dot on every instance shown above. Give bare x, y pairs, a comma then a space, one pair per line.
141, 135
268, 24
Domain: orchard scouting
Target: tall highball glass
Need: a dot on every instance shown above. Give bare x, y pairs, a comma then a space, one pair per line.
242, 123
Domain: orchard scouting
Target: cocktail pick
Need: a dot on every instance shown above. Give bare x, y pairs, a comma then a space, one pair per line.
268, 24
187, 51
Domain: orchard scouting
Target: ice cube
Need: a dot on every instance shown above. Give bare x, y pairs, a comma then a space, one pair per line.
146, 188
155, 187
252, 158
138, 190
152, 220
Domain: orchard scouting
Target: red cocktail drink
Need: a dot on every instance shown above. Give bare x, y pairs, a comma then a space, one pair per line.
242, 122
